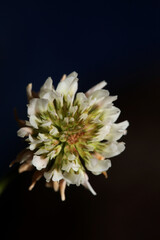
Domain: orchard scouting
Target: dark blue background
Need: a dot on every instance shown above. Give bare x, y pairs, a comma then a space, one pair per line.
118, 41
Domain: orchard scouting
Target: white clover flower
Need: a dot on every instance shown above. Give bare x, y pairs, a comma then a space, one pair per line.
70, 133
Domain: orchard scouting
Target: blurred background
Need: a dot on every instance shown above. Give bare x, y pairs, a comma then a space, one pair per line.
116, 41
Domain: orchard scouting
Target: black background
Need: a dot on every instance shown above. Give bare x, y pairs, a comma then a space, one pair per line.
118, 41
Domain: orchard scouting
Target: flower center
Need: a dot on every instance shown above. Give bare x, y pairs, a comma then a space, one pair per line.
72, 139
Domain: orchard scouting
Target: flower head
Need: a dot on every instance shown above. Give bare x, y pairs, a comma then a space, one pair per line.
69, 133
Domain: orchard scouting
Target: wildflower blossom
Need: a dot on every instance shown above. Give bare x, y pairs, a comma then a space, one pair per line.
69, 133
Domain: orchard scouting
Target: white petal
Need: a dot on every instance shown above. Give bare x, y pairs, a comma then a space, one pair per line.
99, 95
102, 133
41, 151
73, 88
39, 162
94, 165
57, 175
32, 146
25, 131
34, 142
71, 119
31, 139
110, 115
107, 101
69, 85
117, 131
87, 185
81, 98
74, 178
73, 109
34, 121
54, 174
37, 105
113, 149
82, 101
71, 157
54, 131
52, 154
83, 116
48, 175
46, 123
47, 85
75, 166
67, 166
42, 137
95, 88
50, 95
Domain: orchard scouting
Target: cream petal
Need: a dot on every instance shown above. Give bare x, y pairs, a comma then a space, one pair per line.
37, 105
23, 156
95, 88
117, 131
29, 91
97, 166
27, 166
27, 123
25, 131
39, 162
36, 177
27, 156
62, 187
55, 185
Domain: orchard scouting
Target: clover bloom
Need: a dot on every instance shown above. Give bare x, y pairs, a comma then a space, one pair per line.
69, 133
